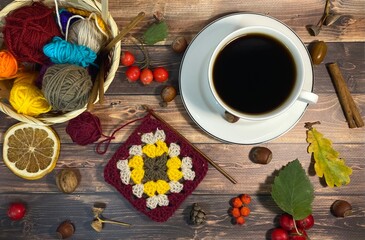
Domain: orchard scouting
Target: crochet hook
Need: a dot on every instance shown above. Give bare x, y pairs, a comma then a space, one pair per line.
216, 166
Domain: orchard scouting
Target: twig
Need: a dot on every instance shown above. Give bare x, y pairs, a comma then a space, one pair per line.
216, 166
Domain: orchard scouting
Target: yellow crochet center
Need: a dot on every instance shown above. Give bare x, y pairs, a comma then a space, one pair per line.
162, 187
136, 162
150, 188
174, 174
174, 163
149, 150
137, 175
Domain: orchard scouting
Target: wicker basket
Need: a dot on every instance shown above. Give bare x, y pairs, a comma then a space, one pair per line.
114, 57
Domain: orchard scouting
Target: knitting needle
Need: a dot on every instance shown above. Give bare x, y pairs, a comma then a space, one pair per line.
99, 82
110, 45
216, 166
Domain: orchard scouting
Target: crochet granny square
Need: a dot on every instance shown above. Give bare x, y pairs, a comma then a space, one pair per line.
155, 169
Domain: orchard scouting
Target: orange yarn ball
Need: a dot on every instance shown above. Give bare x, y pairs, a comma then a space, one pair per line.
8, 65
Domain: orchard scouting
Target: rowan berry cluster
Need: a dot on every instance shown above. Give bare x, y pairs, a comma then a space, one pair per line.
240, 210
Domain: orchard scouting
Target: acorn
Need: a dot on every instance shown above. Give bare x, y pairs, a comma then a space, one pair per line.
261, 155
65, 230
318, 51
341, 208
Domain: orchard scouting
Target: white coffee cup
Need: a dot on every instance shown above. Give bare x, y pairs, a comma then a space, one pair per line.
294, 46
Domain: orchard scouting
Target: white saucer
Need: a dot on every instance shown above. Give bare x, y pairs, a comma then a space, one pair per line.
199, 101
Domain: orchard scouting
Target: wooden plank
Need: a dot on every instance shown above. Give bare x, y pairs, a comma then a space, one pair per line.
46, 211
295, 14
118, 110
252, 178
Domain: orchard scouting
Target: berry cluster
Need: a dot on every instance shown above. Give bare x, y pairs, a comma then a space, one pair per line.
240, 208
145, 75
292, 230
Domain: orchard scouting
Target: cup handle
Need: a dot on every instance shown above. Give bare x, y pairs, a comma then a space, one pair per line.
308, 97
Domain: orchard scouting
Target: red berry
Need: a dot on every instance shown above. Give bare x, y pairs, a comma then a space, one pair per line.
279, 234
146, 76
16, 211
245, 211
240, 220
286, 222
160, 74
293, 235
133, 73
245, 198
305, 223
236, 202
236, 212
127, 59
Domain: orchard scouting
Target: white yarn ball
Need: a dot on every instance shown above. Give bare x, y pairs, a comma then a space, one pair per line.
85, 32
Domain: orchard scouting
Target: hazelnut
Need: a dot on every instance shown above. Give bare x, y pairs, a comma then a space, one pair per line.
261, 155
65, 230
318, 52
179, 44
341, 208
168, 94
67, 180
230, 117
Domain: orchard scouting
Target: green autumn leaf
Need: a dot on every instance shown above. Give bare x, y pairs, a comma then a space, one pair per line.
155, 33
327, 161
292, 191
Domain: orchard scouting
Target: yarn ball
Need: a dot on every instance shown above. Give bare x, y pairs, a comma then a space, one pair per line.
61, 51
96, 18
85, 32
64, 17
84, 129
26, 98
28, 29
8, 65
66, 87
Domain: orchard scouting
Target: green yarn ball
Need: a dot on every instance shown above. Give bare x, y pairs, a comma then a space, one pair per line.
66, 87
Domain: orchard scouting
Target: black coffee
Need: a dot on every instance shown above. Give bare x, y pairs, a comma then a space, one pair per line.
254, 74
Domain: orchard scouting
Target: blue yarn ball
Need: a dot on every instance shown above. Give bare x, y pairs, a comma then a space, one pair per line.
64, 17
61, 52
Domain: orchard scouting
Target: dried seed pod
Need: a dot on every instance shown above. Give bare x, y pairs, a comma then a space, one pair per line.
331, 19
230, 117
97, 225
260, 155
197, 215
98, 208
341, 208
67, 180
65, 230
179, 44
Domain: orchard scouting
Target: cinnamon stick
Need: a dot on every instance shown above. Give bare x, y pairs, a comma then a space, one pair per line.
348, 104
216, 166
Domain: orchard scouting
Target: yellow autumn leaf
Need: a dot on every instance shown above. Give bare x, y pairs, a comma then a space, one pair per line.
327, 161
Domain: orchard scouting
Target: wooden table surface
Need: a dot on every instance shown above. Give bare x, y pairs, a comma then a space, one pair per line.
47, 206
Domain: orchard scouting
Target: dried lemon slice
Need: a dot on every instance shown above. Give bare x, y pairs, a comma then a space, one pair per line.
31, 151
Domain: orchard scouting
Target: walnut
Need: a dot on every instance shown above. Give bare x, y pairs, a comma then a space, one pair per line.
68, 179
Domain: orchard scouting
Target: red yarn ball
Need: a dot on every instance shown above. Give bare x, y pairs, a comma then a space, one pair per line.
28, 29
84, 129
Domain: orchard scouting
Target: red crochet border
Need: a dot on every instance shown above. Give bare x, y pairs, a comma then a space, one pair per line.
112, 173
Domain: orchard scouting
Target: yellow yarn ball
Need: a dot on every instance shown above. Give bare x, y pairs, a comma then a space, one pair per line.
26, 98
